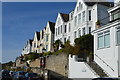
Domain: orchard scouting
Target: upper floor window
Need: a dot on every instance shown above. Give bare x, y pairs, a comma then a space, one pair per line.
69, 27
77, 8
75, 21
34, 45
83, 16
89, 15
83, 31
104, 39
69, 38
65, 28
79, 18
89, 30
56, 31
64, 40
61, 28
46, 47
59, 21
115, 14
79, 32
80, 5
46, 38
75, 34
118, 35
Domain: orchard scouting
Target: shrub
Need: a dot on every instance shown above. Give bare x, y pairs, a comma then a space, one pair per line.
57, 52
47, 53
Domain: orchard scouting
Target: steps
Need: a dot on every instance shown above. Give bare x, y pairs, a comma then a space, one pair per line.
97, 69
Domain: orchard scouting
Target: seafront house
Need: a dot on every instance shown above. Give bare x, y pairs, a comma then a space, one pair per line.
107, 43
49, 36
44, 39
81, 20
27, 48
41, 43
35, 42
61, 27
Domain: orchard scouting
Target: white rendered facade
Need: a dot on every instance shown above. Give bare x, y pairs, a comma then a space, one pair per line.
107, 44
35, 42
27, 48
83, 20
49, 36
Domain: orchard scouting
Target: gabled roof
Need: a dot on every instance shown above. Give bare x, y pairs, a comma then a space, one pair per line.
42, 34
52, 27
38, 35
102, 2
65, 17
30, 41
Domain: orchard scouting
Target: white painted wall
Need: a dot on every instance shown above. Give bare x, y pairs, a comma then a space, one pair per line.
79, 69
107, 58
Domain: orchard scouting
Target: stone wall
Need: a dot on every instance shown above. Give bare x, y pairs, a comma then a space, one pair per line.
35, 63
58, 64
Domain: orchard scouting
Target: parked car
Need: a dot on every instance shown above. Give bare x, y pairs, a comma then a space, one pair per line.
32, 76
6, 75
106, 78
20, 75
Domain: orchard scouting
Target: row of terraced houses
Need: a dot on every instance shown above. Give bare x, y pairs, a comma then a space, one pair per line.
82, 20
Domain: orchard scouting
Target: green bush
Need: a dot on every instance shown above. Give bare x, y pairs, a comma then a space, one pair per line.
32, 56
47, 53
57, 52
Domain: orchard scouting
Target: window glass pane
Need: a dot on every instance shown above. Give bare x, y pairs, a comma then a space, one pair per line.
83, 31
75, 21
89, 15
89, 30
83, 16
79, 33
79, 18
46, 38
69, 27
65, 29
46, 47
75, 34
118, 37
100, 42
61, 28
107, 40
58, 30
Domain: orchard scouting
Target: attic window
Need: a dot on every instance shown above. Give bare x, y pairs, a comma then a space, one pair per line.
80, 5
77, 9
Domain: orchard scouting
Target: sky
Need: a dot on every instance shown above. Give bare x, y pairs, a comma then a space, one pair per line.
20, 21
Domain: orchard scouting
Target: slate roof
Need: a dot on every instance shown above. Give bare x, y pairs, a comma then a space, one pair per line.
65, 17
52, 27
38, 35
42, 34
30, 41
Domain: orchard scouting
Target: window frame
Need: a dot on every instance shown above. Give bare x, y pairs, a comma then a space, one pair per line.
103, 34
117, 30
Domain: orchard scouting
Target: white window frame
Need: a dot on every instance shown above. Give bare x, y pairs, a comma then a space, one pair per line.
103, 34
117, 30
79, 18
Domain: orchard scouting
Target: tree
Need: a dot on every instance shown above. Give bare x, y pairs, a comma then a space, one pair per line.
68, 48
85, 44
57, 44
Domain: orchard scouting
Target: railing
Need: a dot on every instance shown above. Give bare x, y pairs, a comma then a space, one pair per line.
107, 19
91, 69
105, 63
